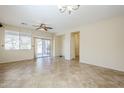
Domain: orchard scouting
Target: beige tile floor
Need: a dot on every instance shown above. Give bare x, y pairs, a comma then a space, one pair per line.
57, 73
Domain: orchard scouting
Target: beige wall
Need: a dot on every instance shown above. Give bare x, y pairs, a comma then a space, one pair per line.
77, 44
101, 43
59, 45
65, 45
16, 55
74, 45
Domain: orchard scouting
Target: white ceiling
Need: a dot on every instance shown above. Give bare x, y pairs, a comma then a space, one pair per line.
15, 15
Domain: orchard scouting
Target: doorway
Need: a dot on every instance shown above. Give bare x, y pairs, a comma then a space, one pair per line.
42, 47
75, 45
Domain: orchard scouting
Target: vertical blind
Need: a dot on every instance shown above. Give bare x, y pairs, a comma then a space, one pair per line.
43, 47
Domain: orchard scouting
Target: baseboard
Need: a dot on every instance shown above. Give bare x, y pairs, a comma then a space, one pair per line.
111, 68
16, 61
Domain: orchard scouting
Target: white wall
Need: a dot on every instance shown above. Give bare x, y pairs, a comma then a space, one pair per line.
16, 55
67, 46
101, 43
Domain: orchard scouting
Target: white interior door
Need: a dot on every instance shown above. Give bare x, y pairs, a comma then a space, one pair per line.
42, 47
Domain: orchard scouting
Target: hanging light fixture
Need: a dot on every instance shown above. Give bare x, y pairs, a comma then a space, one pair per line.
68, 8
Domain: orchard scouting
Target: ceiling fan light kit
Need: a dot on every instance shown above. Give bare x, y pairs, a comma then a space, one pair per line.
68, 8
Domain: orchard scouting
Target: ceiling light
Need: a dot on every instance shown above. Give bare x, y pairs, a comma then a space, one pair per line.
68, 8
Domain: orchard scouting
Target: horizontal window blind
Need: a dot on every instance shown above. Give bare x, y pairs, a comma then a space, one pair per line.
25, 41
11, 40
17, 40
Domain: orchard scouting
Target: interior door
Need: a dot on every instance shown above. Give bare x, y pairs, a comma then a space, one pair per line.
42, 47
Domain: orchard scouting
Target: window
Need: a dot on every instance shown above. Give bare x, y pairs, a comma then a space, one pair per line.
17, 40
25, 41
11, 40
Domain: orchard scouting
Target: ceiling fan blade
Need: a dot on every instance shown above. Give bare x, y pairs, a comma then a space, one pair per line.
45, 29
42, 25
49, 27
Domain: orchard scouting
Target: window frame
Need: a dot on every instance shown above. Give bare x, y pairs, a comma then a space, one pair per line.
30, 42
19, 35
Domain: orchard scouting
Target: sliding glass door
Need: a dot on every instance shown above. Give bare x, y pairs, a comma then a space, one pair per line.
43, 47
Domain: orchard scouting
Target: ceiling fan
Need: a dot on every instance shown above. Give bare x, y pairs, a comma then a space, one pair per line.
42, 27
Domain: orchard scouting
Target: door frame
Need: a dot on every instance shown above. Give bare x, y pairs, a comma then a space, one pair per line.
73, 45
